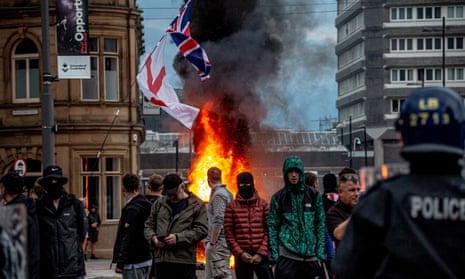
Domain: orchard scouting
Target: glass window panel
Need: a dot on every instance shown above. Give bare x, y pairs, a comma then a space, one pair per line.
395, 105
402, 75
420, 13
26, 47
401, 13
459, 44
401, 44
110, 45
459, 10
429, 74
409, 44
409, 74
93, 44
90, 164
437, 12
450, 12
459, 74
409, 13
113, 197
112, 164
421, 74
394, 44
91, 189
429, 43
438, 74
394, 75
34, 79
429, 12
20, 79
90, 86
437, 43
393, 13
450, 43
420, 44
450, 74
111, 79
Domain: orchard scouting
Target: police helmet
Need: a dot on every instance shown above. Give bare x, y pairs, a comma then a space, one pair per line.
432, 120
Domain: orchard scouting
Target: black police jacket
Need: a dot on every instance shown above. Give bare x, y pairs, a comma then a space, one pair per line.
410, 226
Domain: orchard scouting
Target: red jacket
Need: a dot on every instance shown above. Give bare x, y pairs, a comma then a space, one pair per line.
245, 226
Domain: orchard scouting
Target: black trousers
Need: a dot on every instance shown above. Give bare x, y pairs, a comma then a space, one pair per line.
291, 269
166, 270
246, 271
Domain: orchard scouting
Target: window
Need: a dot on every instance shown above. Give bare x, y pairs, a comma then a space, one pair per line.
455, 12
396, 104
401, 13
102, 51
455, 74
420, 13
401, 75
25, 69
108, 194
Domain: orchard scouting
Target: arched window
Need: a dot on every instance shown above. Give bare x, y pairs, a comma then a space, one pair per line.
26, 76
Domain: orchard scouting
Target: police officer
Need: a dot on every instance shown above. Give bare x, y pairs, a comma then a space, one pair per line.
413, 226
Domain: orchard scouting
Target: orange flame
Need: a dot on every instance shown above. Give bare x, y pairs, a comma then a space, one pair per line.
214, 149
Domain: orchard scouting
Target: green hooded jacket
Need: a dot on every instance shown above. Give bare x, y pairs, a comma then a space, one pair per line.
296, 218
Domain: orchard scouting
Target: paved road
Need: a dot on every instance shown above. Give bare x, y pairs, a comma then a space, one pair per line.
100, 269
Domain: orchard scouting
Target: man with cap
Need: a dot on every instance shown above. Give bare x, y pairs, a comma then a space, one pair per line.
131, 252
11, 188
177, 222
245, 230
413, 225
216, 251
63, 228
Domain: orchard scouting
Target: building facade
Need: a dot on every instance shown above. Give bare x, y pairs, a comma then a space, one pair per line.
386, 49
97, 125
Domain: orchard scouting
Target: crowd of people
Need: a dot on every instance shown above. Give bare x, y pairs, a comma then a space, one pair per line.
407, 226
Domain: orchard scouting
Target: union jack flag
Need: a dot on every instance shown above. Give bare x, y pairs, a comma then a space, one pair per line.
181, 23
179, 30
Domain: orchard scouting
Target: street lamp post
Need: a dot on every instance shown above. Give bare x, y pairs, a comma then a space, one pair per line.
365, 144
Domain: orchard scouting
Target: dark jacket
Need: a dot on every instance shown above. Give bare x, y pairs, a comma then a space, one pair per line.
410, 226
296, 218
33, 236
130, 245
94, 218
190, 226
62, 232
245, 226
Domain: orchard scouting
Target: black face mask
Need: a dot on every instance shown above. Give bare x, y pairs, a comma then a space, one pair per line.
55, 190
246, 191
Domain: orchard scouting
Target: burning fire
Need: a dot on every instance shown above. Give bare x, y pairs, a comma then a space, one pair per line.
215, 147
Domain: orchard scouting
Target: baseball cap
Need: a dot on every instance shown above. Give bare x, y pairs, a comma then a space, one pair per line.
171, 184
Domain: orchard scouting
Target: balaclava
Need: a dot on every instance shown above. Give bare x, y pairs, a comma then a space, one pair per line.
245, 185
55, 190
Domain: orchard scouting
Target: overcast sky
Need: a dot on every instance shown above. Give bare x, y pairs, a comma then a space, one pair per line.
307, 76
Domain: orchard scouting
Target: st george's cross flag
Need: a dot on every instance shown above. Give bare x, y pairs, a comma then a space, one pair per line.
155, 87
180, 32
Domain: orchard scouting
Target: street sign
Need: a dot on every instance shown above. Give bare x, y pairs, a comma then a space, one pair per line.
20, 166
